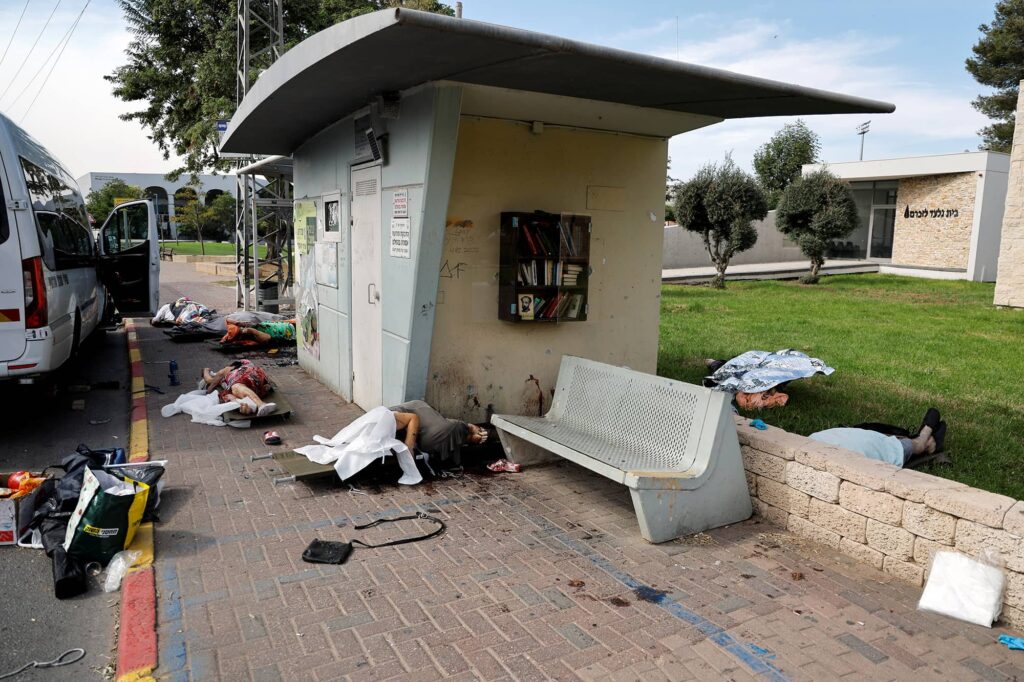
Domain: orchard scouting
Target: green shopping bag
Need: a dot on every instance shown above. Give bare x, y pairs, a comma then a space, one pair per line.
108, 513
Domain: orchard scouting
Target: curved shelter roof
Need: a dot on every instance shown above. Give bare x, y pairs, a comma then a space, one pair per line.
335, 72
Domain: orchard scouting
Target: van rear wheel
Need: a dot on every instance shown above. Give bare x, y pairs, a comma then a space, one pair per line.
76, 339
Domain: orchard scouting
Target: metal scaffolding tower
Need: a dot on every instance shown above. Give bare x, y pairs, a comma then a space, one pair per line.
264, 190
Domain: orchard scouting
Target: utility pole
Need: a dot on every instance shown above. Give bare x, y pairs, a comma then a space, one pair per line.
260, 42
862, 130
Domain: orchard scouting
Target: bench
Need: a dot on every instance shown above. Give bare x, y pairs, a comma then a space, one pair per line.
672, 444
166, 254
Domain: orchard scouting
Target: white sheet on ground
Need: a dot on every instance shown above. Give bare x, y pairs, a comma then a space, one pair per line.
204, 408
370, 437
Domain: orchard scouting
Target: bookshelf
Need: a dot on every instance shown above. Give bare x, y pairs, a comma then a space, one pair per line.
544, 267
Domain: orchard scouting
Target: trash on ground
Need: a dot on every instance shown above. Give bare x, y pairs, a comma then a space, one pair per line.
759, 424
117, 568
965, 588
78, 404
98, 422
271, 438
503, 465
108, 513
333, 552
1012, 643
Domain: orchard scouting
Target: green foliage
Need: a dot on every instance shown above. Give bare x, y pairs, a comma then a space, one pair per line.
998, 62
220, 214
101, 201
779, 160
899, 345
181, 65
815, 210
721, 203
213, 221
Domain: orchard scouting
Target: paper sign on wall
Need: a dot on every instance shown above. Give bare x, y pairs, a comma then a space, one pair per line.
401, 238
400, 204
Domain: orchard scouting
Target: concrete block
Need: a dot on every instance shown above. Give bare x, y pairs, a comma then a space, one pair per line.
889, 540
1013, 522
820, 484
806, 529
924, 551
771, 514
973, 538
763, 464
772, 441
922, 520
751, 483
972, 504
881, 506
908, 572
856, 468
782, 496
914, 485
1014, 590
815, 455
838, 520
862, 553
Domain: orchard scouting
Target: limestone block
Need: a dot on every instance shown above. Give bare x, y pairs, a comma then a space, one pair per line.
920, 519
782, 496
971, 503
1014, 590
773, 441
816, 454
889, 540
751, 483
861, 553
838, 520
771, 514
924, 550
911, 573
763, 464
1013, 522
914, 485
856, 468
805, 528
973, 538
820, 484
877, 505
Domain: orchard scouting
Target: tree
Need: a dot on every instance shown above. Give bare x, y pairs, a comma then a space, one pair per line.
220, 216
815, 210
181, 65
998, 62
778, 161
193, 220
671, 187
720, 204
102, 201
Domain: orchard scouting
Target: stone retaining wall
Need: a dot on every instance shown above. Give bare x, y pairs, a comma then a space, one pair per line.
893, 519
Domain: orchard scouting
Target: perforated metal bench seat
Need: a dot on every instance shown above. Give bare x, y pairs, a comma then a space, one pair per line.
672, 444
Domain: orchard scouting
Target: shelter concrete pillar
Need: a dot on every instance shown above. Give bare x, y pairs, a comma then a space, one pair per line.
1010, 279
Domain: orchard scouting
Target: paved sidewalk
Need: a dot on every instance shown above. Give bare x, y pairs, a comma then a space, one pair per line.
541, 574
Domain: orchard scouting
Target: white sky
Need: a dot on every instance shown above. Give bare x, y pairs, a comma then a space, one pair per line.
76, 116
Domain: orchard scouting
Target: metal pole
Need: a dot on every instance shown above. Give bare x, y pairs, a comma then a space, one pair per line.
862, 146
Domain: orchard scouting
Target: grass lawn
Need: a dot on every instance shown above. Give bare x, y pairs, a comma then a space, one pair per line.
212, 248
898, 344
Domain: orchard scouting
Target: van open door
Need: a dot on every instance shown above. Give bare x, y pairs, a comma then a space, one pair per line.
130, 258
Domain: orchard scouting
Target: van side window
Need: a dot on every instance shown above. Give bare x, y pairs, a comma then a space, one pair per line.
127, 228
61, 219
5, 228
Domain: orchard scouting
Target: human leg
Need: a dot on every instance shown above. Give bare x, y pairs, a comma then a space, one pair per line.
240, 392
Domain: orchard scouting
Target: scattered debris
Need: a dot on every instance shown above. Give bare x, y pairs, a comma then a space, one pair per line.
746, 576
796, 575
618, 601
78, 404
503, 465
697, 539
649, 594
98, 422
576, 583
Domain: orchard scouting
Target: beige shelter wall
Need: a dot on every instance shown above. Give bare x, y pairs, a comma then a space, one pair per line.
939, 241
476, 359
1010, 281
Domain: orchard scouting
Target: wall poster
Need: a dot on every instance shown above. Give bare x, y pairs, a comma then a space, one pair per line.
305, 224
326, 269
401, 238
332, 223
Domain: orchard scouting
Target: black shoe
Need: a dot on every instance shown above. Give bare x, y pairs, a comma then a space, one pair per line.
939, 434
932, 418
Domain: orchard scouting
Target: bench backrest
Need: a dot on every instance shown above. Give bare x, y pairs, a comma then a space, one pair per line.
658, 420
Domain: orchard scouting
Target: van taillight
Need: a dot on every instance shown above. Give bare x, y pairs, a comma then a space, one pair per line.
35, 293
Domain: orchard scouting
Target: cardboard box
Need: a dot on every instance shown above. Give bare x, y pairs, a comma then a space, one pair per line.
15, 515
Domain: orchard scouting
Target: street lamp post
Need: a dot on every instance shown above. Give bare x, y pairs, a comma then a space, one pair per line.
862, 130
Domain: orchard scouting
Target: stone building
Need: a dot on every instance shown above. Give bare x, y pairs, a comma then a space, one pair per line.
1010, 283
928, 216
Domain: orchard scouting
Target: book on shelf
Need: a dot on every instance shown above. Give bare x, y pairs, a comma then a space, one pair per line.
526, 307
575, 305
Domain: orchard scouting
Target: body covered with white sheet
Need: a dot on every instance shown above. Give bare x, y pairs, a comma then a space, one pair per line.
368, 438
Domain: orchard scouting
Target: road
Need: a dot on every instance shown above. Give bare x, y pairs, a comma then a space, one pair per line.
40, 425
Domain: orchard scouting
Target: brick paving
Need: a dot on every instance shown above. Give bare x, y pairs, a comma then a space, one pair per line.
541, 574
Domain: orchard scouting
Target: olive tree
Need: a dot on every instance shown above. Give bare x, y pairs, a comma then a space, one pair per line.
721, 203
814, 211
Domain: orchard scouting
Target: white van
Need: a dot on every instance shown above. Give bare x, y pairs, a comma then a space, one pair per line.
56, 281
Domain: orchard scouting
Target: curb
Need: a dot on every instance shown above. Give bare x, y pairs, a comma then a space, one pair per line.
136, 641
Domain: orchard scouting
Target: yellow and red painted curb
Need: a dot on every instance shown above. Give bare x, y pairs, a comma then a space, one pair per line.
136, 643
